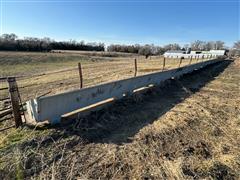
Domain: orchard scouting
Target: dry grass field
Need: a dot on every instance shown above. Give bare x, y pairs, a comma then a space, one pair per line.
58, 72
187, 129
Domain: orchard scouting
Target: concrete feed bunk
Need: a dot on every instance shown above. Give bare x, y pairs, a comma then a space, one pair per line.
52, 108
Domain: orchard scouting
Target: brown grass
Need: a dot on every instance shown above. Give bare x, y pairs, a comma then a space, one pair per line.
187, 129
57, 72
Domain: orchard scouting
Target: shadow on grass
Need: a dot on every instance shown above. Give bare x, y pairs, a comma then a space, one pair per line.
122, 120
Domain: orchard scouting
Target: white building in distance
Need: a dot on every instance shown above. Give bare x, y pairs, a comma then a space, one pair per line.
194, 54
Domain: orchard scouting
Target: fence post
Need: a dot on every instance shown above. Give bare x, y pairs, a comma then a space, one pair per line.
13, 93
164, 61
80, 75
190, 60
135, 64
180, 62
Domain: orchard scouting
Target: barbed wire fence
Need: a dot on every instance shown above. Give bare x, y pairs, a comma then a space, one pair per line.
32, 86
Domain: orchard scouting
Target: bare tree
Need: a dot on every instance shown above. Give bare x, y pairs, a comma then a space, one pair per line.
145, 50
237, 45
9, 37
235, 50
174, 46
209, 45
219, 45
198, 45
186, 46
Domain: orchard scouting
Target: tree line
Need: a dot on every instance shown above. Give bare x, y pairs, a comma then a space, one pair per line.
10, 42
197, 45
158, 50
139, 49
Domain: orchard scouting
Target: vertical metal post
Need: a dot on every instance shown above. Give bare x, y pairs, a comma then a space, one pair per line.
80, 75
135, 64
13, 93
164, 61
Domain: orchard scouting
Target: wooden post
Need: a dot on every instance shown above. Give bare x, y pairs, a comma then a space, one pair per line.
164, 61
180, 62
135, 64
80, 75
190, 60
13, 93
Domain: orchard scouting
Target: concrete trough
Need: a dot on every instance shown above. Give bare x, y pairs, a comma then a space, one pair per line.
51, 108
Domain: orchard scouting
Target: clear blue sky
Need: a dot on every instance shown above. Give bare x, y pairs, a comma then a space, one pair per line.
126, 22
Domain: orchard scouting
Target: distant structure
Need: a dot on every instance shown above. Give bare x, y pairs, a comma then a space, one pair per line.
195, 54
175, 54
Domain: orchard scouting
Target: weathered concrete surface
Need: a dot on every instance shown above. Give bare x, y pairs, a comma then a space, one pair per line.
52, 107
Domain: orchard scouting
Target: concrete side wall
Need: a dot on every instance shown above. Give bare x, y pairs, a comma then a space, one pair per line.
52, 107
